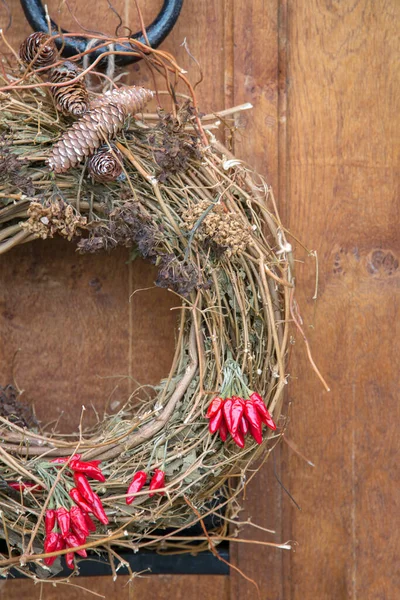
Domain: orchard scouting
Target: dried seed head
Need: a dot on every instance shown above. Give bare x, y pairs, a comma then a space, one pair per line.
105, 165
100, 123
38, 49
72, 98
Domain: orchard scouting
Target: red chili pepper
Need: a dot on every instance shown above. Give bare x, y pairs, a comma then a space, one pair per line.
262, 409
83, 487
64, 520
78, 522
138, 481
89, 523
254, 419
50, 520
98, 510
94, 463
157, 481
237, 413
69, 559
51, 544
238, 438
214, 407
215, 421
244, 426
77, 498
90, 470
228, 413
223, 431
72, 542
19, 486
63, 459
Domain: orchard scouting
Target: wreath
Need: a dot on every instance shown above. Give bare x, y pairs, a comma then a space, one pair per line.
93, 167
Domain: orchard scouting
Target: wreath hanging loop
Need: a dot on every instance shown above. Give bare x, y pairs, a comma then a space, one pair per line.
74, 45
178, 198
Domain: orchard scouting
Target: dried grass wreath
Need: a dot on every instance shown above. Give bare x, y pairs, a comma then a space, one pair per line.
78, 163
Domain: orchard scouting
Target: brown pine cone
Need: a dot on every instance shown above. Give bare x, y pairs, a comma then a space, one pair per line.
39, 48
73, 98
105, 165
101, 122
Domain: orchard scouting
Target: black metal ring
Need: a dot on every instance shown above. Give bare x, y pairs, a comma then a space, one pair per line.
157, 31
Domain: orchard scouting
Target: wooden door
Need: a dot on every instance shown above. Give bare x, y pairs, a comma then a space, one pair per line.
323, 77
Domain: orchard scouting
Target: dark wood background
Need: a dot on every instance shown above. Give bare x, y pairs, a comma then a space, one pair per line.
323, 77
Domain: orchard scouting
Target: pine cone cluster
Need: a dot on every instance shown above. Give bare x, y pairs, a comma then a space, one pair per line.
105, 165
104, 119
71, 98
38, 49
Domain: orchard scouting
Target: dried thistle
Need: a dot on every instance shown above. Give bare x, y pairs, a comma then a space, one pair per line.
11, 168
54, 217
175, 147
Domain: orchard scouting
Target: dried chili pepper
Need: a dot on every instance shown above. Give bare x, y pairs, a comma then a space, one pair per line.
79, 501
254, 419
227, 410
138, 481
63, 520
90, 470
24, 485
94, 463
63, 459
215, 421
89, 523
262, 409
78, 522
214, 407
69, 559
51, 544
238, 438
223, 431
244, 426
83, 486
98, 510
72, 542
236, 413
50, 520
157, 481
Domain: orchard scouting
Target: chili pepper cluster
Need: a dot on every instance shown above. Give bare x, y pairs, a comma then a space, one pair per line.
75, 524
139, 481
237, 417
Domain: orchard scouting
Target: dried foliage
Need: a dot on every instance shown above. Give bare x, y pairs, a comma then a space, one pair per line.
210, 225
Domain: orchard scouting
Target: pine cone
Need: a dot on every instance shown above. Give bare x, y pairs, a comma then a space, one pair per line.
73, 98
40, 48
102, 121
105, 165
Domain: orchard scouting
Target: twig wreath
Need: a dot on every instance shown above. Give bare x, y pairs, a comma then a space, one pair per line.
94, 167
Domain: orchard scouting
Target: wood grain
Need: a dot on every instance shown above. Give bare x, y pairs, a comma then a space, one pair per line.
154, 587
324, 80
342, 173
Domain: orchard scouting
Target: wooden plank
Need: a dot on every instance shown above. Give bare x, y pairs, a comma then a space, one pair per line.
256, 80
341, 176
155, 587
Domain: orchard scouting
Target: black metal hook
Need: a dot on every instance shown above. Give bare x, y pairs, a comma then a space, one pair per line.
157, 31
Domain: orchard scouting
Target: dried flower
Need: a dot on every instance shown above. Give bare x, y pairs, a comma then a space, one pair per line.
225, 229
54, 217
